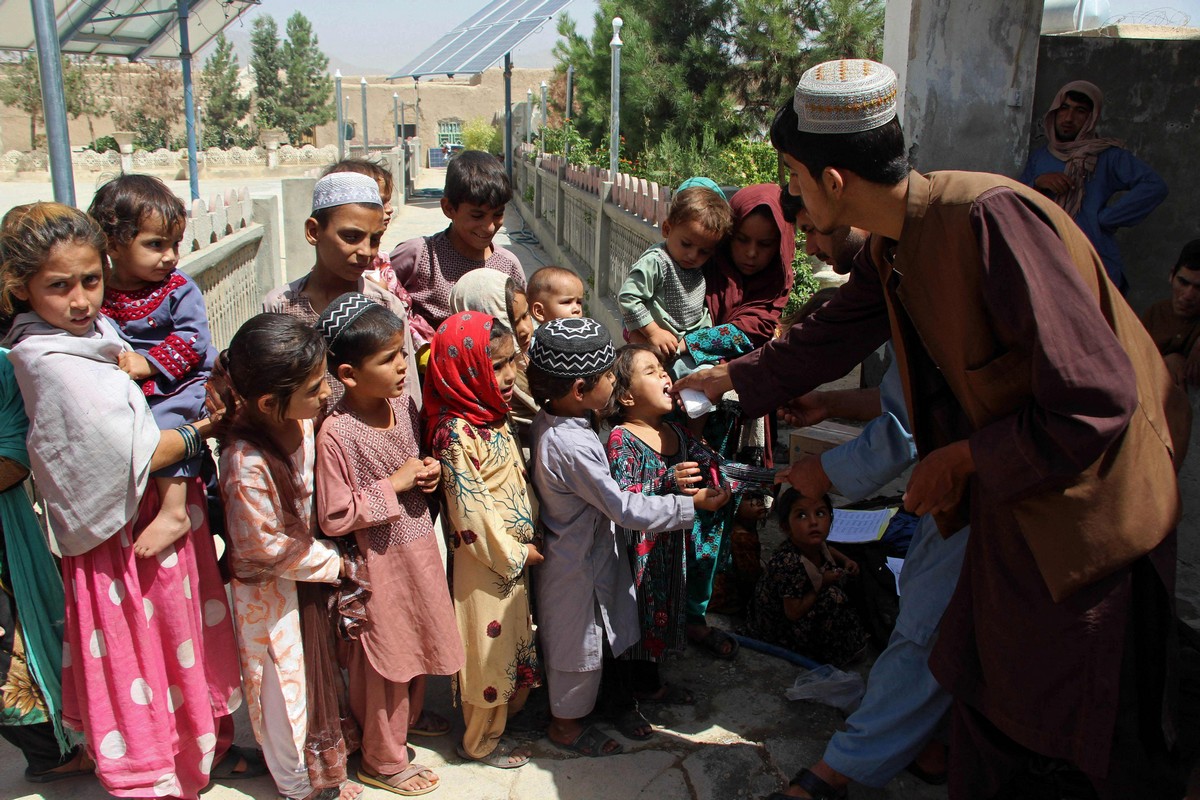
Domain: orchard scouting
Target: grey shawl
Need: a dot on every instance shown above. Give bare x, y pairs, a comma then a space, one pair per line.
91, 434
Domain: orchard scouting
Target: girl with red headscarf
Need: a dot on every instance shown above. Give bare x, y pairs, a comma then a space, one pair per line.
468, 387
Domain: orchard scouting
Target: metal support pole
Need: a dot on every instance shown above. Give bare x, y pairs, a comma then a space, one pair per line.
570, 90
395, 119
341, 115
614, 136
508, 159
54, 101
189, 98
567, 111
542, 122
403, 124
528, 116
366, 141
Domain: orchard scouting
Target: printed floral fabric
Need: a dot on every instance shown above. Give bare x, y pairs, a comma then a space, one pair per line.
657, 560
489, 520
831, 632
267, 611
720, 343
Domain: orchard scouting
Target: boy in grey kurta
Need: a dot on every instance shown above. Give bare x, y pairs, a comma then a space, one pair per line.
584, 586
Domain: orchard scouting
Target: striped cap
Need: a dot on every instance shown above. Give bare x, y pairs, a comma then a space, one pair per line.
846, 96
572, 347
340, 314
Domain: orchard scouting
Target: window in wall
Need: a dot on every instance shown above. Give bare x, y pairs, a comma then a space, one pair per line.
449, 132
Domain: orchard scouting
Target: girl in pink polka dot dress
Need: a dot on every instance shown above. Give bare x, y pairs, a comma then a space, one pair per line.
149, 659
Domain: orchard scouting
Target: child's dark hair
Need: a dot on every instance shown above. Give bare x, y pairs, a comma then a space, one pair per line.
476, 177
541, 283
783, 505
27, 235
876, 155
375, 171
703, 206
499, 330
126, 203
370, 332
1189, 257
544, 387
790, 204
623, 373
271, 355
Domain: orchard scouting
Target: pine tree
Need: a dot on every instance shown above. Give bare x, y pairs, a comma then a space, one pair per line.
157, 105
307, 87
225, 106
266, 61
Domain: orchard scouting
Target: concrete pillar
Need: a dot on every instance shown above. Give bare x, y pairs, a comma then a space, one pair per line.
297, 207
560, 203
966, 73
268, 268
125, 145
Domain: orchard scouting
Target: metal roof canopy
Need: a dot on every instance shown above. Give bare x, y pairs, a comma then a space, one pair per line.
478, 43
132, 29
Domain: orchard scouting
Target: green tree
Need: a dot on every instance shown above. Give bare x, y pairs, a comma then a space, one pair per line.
479, 134
771, 39
307, 87
21, 87
266, 62
675, 71
224, 106
849, 29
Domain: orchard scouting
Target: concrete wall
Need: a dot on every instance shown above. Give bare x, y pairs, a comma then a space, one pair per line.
966, 72
1155, 109
463, 99
1154, 106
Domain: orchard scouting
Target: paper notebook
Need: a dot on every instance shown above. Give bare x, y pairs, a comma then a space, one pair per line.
854, 527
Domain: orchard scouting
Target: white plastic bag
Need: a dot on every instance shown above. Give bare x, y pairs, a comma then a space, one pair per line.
829, 685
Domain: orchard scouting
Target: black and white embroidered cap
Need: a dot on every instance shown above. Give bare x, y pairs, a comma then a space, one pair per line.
339, 315
572, 347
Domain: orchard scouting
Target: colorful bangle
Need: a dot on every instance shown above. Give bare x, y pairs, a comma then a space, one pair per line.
191, 441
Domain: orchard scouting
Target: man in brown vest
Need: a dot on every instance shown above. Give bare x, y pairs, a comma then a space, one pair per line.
1037, 401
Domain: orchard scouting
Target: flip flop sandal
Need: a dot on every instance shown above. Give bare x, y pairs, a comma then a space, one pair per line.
430, 724
498, 758
590, 742
673, 696
629, 721
225, 770
816, 788
715, 642
51, 776
391, 783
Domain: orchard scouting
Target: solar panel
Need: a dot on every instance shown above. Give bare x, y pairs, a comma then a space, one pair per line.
502, 44
483, 39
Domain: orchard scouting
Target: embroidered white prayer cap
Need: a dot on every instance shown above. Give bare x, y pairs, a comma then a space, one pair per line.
343, 188
845, 96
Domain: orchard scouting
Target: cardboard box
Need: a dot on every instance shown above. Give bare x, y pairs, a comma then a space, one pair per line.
816, 439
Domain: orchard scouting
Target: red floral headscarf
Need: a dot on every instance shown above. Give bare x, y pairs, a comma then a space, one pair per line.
460, 381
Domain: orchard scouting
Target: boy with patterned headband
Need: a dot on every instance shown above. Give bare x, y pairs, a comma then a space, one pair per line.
1039, 408
588, 607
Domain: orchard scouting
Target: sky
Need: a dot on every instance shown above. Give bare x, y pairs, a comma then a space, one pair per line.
380, 36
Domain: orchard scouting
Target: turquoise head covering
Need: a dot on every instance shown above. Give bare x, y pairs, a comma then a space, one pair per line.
707, 183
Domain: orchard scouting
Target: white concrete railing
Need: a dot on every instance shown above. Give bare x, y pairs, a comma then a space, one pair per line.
230, 249
141, 160
586, 222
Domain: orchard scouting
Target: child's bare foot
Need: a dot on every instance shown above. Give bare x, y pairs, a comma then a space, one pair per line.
162, 532
170, 524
